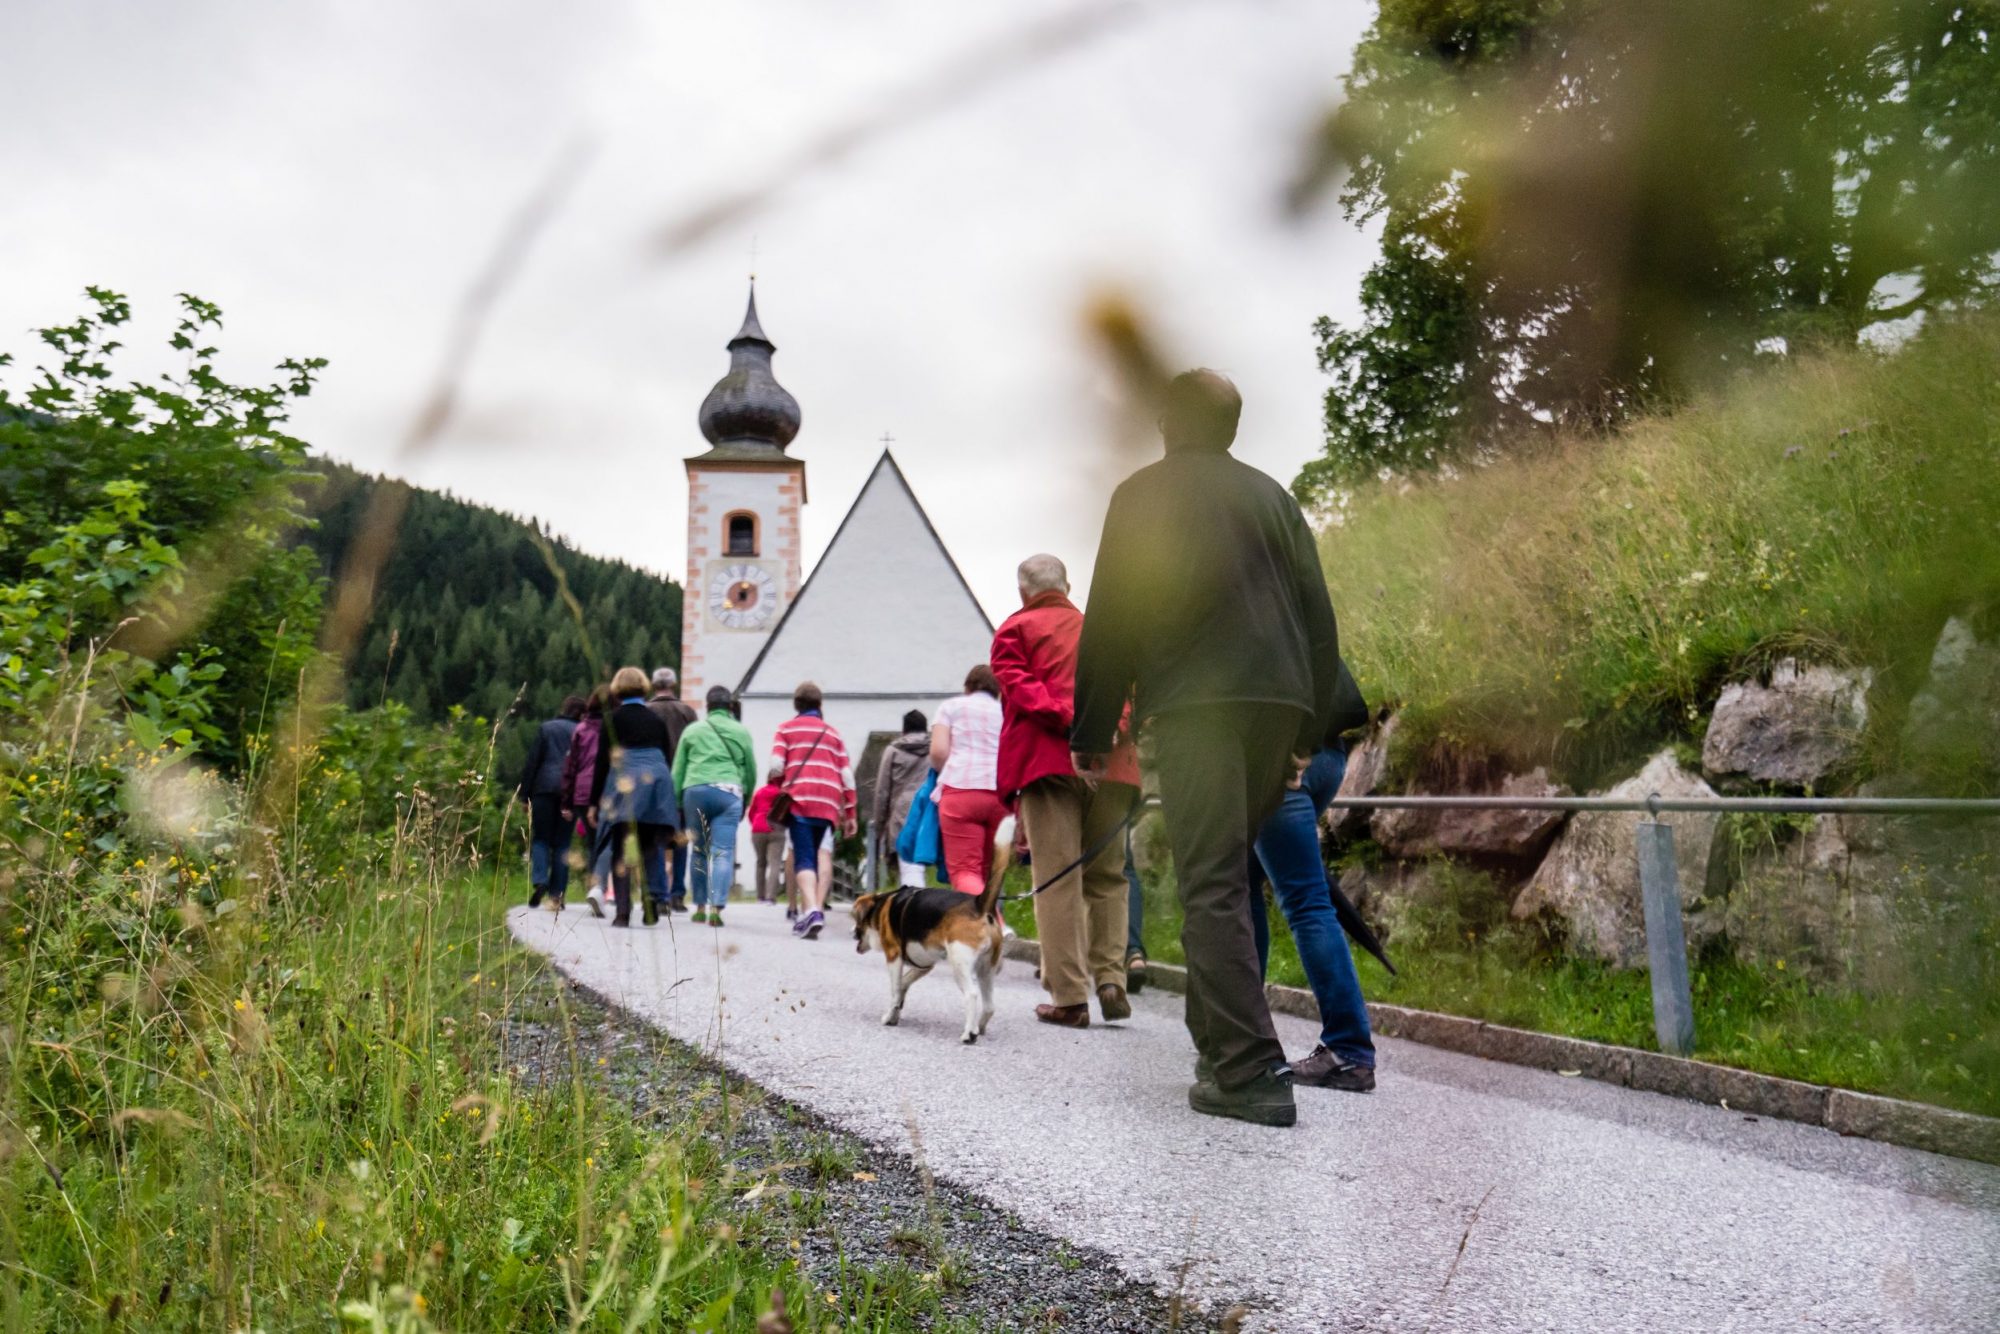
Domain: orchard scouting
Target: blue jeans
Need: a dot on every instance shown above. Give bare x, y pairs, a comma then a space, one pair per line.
548, 850
807, 834
1287, 850
712, 816
1135, 903
656, 874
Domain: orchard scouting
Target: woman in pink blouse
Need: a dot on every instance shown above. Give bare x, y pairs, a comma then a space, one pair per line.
965, 750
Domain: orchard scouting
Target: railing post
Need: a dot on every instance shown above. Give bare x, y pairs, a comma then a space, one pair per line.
1666, 947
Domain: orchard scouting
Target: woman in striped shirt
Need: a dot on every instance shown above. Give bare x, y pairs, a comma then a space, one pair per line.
965, 750
820, 782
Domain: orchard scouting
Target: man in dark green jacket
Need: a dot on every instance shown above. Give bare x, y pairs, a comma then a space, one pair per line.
1209, 610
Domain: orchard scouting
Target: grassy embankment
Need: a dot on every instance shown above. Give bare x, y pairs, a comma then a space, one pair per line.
297, 1110
1583, 606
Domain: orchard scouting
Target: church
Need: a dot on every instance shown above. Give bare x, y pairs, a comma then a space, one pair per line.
884, 623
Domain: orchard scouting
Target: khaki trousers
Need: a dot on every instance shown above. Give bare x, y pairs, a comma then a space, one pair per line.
1081, 919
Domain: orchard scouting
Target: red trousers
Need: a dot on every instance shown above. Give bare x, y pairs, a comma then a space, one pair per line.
968, 818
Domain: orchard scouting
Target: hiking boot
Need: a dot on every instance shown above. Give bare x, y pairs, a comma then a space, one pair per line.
1135, 973
1324, 1070
1265, 1101
535, 893
650, 914
677, 905
810, 924
1111, 1000
1064, 1016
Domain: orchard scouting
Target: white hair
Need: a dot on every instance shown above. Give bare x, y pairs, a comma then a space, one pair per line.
1042, 574
665, 678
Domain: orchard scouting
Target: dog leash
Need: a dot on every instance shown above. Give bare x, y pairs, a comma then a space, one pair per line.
1090, 854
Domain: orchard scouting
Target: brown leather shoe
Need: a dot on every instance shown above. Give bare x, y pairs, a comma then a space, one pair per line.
1064, 1016
1111, 1000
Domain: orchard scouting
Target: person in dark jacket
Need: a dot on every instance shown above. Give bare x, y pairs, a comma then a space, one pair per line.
579, 771
905, 761
633, 791
678, 715
1208, 608
542, 789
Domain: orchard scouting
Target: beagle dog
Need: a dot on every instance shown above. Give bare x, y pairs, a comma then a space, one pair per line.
917, 929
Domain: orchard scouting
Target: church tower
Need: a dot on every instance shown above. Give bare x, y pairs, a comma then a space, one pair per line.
744, 498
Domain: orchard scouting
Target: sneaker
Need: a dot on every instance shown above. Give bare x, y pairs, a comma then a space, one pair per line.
791, 914
715, 917
595, 898
535, 893
1064, 1016
700, 917
650, 914
554, 905
1111, 1000
1324, 1070
1265, 1101
1135, 973
677, 905
810, 924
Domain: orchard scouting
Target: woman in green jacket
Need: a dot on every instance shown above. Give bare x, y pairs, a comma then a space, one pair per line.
714, 771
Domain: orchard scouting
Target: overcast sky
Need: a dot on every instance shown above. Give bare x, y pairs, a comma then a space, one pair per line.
335, 175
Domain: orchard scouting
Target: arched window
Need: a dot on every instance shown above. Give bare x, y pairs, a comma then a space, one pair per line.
741, 529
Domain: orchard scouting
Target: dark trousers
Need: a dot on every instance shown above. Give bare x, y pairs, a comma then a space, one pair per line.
548, 844
1222, 771
653, 839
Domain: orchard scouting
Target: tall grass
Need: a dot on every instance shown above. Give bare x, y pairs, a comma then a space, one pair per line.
1575, 605
263, 1081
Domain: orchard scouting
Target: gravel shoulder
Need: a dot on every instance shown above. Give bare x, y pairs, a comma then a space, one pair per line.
859, 1213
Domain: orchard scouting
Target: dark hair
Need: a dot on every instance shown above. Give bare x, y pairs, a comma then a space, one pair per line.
595, 704
572, 707
720, 698
807, 696
1201, 408
914, 721
982, 678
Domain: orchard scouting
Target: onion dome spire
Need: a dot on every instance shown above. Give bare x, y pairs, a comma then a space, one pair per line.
748, 409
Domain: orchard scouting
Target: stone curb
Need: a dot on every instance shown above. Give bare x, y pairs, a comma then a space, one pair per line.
1913, 1125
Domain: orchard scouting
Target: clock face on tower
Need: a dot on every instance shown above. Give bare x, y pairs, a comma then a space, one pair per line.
742, 596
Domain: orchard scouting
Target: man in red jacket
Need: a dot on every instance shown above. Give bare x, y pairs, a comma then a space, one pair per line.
1081, 918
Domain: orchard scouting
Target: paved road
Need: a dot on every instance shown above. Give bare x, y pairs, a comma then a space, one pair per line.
1598, 1208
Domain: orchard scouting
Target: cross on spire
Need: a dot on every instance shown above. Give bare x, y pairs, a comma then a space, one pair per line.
887, 440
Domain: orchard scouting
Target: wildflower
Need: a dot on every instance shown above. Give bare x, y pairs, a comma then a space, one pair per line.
240, 1005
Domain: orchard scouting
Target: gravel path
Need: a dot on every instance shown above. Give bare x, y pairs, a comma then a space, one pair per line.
1462, 1195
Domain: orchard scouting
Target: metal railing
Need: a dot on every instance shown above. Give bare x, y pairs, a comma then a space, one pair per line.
1659, 877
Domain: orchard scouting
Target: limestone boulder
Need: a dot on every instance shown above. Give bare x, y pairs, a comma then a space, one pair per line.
1367, 767
1590, 878
1519, 836
1801, 726
1954, 721
1820, 904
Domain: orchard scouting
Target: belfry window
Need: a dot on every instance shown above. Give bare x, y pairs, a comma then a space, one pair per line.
742, 531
